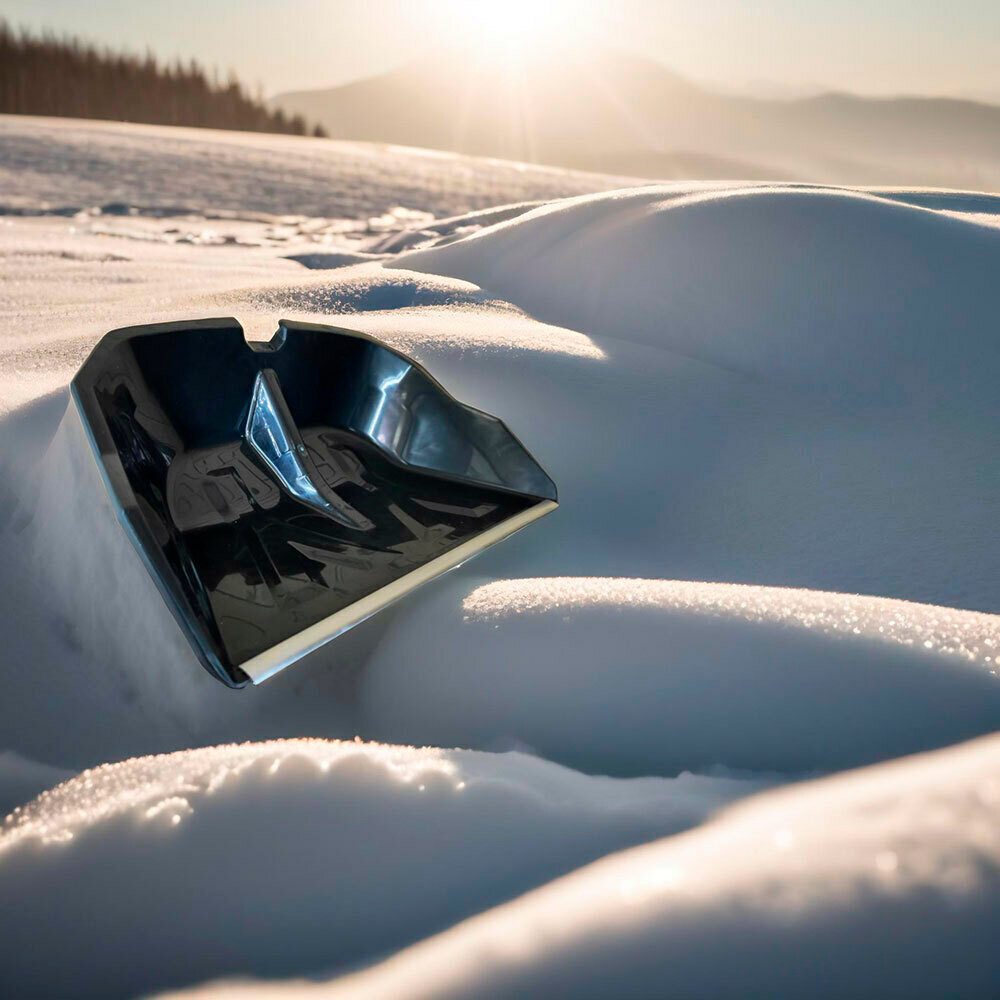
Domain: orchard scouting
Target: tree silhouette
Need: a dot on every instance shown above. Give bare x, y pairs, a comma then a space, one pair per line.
51, 75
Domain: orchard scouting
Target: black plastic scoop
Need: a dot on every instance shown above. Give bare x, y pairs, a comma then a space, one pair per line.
281, 493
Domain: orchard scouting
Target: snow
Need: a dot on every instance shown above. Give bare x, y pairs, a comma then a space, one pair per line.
771, 414
60, 163
878, 883
824, 411
652, 677
22, 779
851, 268
270, 858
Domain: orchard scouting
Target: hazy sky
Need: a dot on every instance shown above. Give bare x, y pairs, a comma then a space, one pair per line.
870, 46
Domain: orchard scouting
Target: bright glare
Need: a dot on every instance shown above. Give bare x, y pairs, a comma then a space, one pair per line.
510, 28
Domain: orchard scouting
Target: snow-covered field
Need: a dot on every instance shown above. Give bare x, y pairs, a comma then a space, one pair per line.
772, 414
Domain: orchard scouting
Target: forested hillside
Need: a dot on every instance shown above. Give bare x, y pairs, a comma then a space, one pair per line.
50, 75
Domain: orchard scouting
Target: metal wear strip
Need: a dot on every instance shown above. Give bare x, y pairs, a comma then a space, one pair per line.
275, 659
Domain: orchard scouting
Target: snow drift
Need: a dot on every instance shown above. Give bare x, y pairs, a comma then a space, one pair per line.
880, 883
849, 291
280, 857
651, 677
820, 409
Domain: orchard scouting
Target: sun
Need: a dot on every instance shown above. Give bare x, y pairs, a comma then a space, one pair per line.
507, 29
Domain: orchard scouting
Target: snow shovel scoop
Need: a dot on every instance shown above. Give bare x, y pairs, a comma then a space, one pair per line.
280, 493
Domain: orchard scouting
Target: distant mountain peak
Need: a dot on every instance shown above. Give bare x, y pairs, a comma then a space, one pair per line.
603, 109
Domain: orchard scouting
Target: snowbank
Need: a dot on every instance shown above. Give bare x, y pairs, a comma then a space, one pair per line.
635, 676
805, 381
880, 883
841, 289
285, 857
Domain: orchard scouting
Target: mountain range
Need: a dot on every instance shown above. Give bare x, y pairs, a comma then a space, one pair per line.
605, 110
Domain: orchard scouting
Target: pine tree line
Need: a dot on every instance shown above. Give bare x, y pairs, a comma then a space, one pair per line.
51, 75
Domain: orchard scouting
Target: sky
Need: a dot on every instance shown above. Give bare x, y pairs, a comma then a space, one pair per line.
770, 47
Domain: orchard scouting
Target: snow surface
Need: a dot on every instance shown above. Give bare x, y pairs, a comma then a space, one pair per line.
771, 414
631, 676
274, 857
878, 883
22, 779
55, 163
842, 289
825, 410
